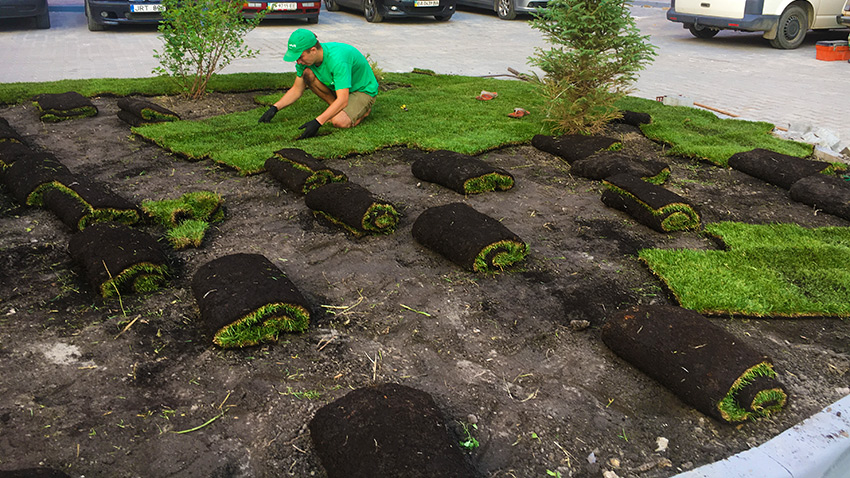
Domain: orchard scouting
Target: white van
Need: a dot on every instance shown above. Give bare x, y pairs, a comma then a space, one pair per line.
784, 22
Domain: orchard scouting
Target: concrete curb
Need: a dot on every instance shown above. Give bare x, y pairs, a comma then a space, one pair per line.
817, 447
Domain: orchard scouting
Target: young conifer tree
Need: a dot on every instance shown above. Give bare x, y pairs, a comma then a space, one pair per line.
595, 56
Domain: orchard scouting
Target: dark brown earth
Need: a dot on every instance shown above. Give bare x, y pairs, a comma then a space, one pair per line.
80, 393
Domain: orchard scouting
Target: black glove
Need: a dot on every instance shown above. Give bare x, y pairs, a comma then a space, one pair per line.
310, 129
269, 114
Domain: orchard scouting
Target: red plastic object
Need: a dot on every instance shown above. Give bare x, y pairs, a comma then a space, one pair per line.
832, 50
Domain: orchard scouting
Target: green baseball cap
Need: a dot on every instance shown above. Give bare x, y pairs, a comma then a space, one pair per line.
299, 41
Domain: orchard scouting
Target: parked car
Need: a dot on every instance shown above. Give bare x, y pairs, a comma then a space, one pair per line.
506, 9
103, 13
784, 22
376, 10
844, 18
284, 10
26, 9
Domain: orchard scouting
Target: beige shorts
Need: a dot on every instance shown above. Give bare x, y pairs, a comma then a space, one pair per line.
359, 105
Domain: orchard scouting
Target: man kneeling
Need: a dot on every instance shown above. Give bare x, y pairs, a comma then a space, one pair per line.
337, 73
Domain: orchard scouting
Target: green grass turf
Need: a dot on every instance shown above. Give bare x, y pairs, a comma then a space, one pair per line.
765, 403
263, 325
697, 133
189, 233
144, 277
440, 112
186, 219
13, 93
50, 117
202, 205
488, 182
776, 270
511, 253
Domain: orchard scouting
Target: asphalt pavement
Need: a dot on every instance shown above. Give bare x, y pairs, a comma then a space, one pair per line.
737, 73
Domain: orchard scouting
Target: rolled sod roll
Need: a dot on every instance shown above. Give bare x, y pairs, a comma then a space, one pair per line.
84, 202
130, 118
633, 118
354, 208
609, 163
461, 173
299, 171
827, 193
574, 147
649, 204
55, 107
702, 364
470, 239
386, 431
11, 151
117, 258
245, 300
147, 111
775, 168
8, 133
31, 174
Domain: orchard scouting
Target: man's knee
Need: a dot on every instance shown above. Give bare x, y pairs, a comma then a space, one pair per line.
341, 120
309, 76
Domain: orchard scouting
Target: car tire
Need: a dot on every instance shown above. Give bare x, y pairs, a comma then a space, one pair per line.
505, 9
93, 25
443, 18
331, 5
792, 28
42, 22
702, 32
313, 20
370, 11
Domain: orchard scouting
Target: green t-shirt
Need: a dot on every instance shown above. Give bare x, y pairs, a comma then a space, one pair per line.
343, 66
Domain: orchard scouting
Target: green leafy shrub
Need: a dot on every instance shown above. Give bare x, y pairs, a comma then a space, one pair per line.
200, 37
596, 53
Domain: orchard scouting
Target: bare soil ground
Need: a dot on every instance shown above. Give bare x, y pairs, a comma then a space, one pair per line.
80, 394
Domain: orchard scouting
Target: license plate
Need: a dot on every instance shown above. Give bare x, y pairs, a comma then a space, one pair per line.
283, 6
146, 7
426, 3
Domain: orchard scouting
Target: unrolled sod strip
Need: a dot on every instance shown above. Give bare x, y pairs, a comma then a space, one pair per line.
246, 300
470, 239
461, 173
55, 107
147, 111
300, 172
354, 208
649, 204
705, 366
